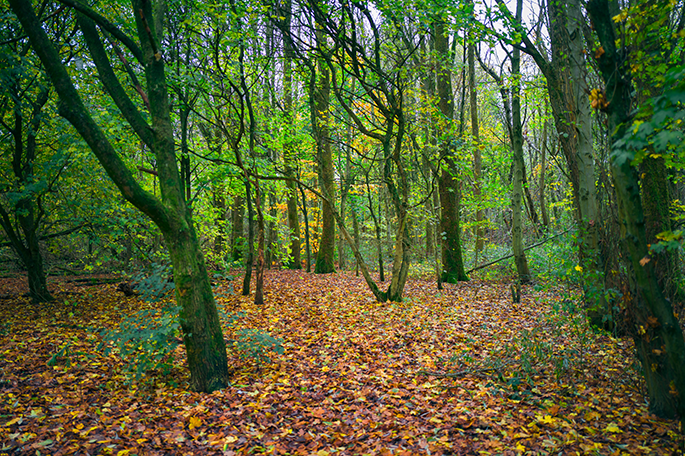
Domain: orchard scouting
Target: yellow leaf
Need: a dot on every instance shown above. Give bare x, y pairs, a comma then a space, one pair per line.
194, 422
520, 448
230, 439
579, 268
14, 420
547, 419
435, 420
612, 428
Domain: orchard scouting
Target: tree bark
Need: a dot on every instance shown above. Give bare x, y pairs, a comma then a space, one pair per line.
237, 222
452, 263
475, 134
517, 146
290, 161
655, 322
321, 93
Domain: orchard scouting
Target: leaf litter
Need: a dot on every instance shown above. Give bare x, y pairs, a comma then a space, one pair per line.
451, 372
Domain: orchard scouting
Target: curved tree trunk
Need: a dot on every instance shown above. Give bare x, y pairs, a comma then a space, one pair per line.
199, 318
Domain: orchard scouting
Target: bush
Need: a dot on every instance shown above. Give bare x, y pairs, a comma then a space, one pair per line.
148, 338
255, 345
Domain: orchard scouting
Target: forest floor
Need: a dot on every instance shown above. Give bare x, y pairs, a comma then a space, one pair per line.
457, 371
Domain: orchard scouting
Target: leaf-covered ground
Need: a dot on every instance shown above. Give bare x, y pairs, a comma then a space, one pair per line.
354, 378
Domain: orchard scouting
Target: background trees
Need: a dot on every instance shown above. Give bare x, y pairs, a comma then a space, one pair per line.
251, 132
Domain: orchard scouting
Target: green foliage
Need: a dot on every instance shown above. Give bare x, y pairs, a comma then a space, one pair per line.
146, 340
255, 345
155, 286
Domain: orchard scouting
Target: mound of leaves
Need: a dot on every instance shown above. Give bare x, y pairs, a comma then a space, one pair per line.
322, 368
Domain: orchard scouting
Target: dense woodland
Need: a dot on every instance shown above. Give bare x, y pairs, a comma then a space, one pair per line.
537, 146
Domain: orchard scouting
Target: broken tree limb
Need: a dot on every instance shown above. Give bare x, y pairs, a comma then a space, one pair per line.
490, 263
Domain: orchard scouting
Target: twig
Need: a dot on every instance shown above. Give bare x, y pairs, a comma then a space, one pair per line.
511, 255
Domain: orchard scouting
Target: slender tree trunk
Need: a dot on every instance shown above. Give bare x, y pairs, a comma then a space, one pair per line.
272, 234
475, 134
220, 220
289, 150
517, 146
541, 185
355, 229
377, 226
237, 222
259, 280
305, 212
249, 261
321, 93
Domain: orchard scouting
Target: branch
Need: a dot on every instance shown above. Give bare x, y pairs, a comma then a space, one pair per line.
72, 108
107, 25
511, 255
111, 82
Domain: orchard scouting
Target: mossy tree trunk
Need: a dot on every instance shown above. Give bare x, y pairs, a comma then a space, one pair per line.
517, 150
320, 105
655, 323
448, 185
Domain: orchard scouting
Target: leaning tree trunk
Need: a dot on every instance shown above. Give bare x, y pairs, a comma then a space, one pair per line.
199, 318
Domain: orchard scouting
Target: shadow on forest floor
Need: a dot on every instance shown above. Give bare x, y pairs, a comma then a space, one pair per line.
457, 371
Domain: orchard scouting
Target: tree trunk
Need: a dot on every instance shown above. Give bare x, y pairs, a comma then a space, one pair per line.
655, 322
249, 261
321, 93
220, 221
541, 185
23, 157
237, 239
199, 319
452, 263
289, 158
377, 226
517, 146
475, 134
305, 212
